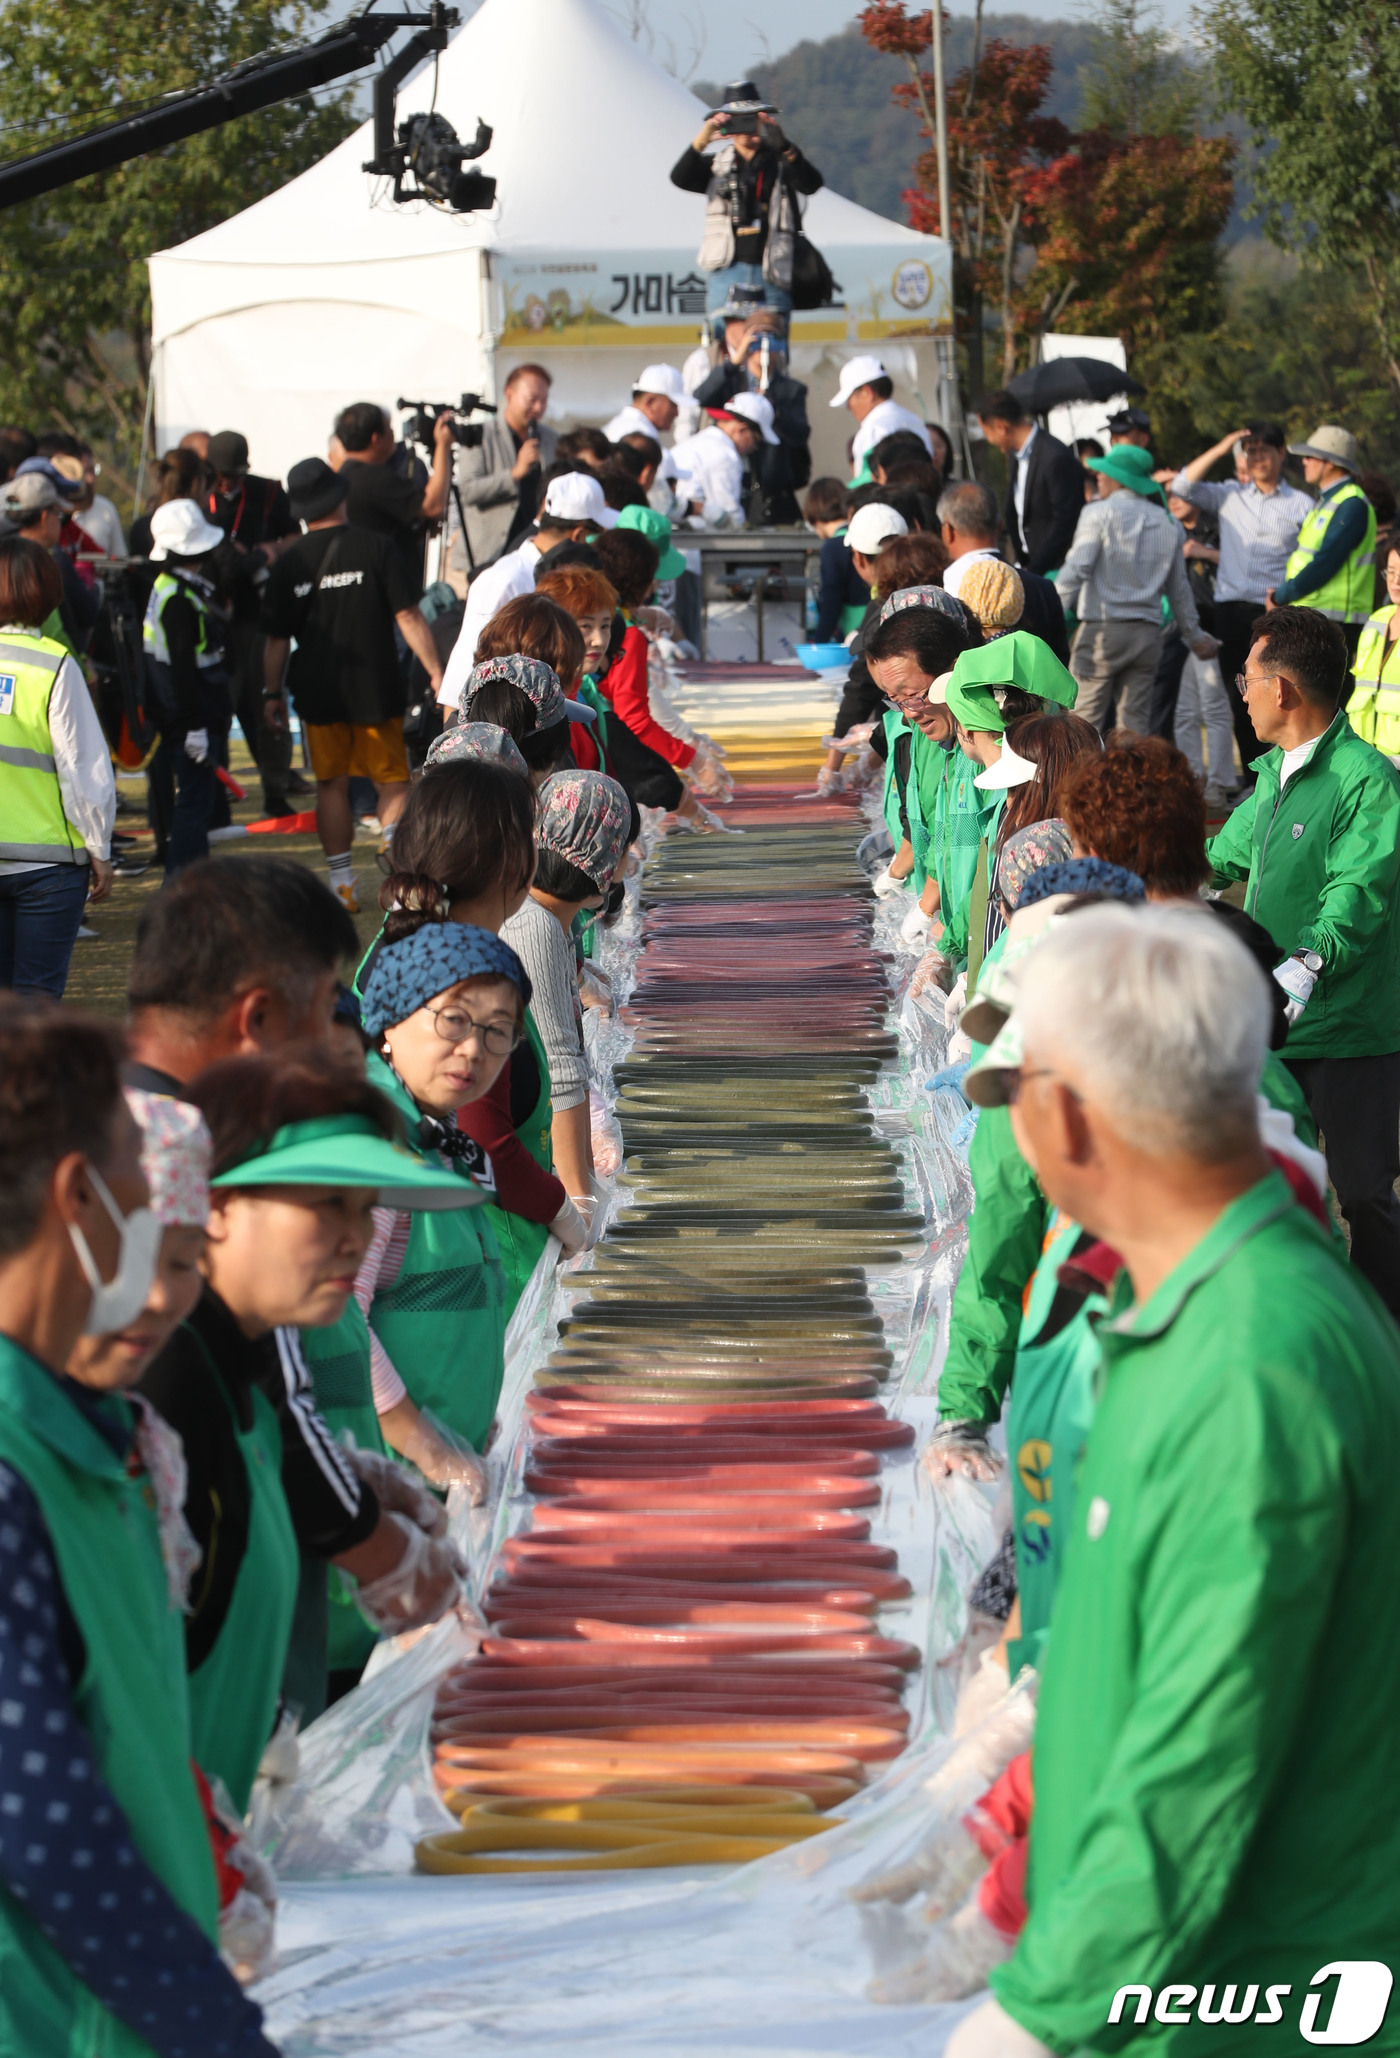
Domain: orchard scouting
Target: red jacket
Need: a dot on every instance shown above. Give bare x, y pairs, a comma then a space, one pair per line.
522, 1187
624, 687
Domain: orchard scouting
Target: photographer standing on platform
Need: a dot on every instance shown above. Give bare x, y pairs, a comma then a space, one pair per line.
498, 479
750, 187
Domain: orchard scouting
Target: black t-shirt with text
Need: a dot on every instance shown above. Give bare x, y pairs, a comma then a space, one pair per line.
388, 501
335, 593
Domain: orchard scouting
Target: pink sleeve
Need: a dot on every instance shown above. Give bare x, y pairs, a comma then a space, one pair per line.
380, 1267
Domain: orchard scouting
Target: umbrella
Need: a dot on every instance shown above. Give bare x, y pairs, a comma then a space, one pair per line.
1059, 380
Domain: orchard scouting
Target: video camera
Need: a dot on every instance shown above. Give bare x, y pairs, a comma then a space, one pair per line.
419, 426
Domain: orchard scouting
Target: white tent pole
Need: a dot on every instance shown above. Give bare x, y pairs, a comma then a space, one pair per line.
940, 117
145, 434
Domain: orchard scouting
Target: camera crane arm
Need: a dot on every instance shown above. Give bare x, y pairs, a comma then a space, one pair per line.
259, 83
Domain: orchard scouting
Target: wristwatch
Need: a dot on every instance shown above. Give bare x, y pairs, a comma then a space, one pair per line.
1309, 960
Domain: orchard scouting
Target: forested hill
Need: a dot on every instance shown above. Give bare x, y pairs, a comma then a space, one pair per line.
835, 98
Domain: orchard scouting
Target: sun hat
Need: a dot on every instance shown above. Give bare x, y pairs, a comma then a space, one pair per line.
406, 974
349, 1150
314, 490
872, 525
857, 372
179, 529
1333, 445
480, 740
1128, 418
988, 1082
67, 484
177, 1154
228, 453
651, 523
994, 592
660, 378
1008, 771
1018, 659
539, 683
753, 407
576, 497
1131, 466
584, 817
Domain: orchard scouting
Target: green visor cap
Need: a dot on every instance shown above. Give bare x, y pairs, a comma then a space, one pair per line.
1018, 659
651, 523
348, 1150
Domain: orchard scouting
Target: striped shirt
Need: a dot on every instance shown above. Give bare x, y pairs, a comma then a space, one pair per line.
1257, 532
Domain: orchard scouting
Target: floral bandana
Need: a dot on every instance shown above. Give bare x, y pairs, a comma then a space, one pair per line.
538, 681
923, 596
480, 740
995, 594
1082, 875
584, 817
1039, 843
177, 1155
162, 1456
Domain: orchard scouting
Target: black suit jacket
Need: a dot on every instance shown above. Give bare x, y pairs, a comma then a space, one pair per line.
1054, 503
1044, 612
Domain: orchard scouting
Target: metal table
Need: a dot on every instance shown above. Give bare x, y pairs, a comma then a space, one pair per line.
760, 565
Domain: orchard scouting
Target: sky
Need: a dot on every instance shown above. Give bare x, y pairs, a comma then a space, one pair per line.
733, 34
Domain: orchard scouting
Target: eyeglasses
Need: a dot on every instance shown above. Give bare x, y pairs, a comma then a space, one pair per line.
1243, 682
455, 1025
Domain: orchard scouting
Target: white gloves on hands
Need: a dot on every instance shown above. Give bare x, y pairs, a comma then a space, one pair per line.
916, 926
571, 1229
197, 745
1297, 982
955, 1003
944, 1869
953, 1964
424, 1584
989, 2032
981, 1689
960, 1447
885, 884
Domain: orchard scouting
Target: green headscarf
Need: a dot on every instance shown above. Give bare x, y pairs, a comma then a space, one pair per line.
1019, 660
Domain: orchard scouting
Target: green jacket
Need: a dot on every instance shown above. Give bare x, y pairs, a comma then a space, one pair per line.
1215, 1751
964, 848
1322, 859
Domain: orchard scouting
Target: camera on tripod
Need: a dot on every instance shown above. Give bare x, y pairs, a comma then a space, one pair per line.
420, 424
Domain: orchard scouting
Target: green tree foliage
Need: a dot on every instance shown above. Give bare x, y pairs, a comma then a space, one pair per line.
1136, 83
1318, 83
73, 264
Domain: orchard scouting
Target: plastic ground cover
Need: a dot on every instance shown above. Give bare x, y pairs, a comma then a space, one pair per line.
773, 1956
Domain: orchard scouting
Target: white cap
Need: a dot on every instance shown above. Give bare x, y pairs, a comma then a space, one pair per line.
179, 530
938, 692
660, 378
577, 497
872, 525
857, 371
1009, 770
754, 408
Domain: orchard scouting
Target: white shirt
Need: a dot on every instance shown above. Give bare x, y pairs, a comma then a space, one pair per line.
710, 469
954, 574
632, 422
1294, 760
506, 579
1258, 532
102, 524
884, 419
81, 758
1022, 471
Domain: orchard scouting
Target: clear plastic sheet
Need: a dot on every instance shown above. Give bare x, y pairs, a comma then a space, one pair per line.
771, 1957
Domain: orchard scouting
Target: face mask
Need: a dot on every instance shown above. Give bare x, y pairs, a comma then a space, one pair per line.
119, 1300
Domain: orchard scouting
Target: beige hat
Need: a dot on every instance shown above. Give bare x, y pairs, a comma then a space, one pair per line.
1332, 445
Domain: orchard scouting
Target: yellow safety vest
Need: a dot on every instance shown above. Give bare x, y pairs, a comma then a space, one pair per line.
207, 653
1348, 595
33, 827
1374, 707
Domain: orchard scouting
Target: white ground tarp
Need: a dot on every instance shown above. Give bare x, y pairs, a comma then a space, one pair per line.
326, 292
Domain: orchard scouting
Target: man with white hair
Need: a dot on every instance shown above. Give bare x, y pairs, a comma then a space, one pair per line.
1206, 1845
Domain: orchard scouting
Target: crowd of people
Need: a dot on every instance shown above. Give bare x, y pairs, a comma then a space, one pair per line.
258, 1251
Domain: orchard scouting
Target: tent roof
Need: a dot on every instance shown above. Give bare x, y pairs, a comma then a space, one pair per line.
587, 127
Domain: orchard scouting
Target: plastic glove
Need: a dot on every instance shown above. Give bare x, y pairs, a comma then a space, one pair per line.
425, 1583
854, 739
605, 1135
916, 925
595, 990
981, 1690
248, 1923
954, 1963
989, 2032
885, 884
444, 1457
704, 819
933, 969
590, 1214
571, 1229
1297, 982
708, 776
397, 1490
960, 1447
947, 1866
197, 745
955, 1003
831, 779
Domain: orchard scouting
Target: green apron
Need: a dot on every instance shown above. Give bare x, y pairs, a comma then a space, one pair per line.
521, 1241
850, 619
329, 1634
1047, 1424
443, 1321
233, 1693
891, 800
132, 1699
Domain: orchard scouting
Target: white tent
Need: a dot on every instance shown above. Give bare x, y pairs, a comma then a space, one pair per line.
326, 292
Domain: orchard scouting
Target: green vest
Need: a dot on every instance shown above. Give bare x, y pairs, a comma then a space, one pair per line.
891, 798
443, 1321
329, 1632
131, 1700
206, 650
233, 1693
1374, 707
33, 827
1349, 593
522, 1242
